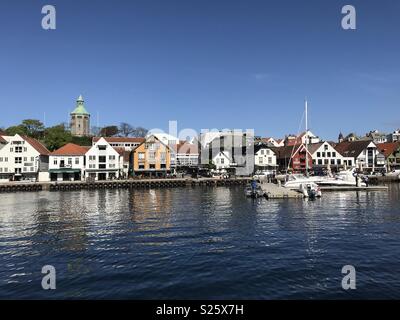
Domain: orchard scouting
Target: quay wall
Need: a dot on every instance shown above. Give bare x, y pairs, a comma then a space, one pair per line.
120, 184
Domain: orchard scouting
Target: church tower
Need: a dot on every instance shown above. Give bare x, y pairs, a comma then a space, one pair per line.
80, 119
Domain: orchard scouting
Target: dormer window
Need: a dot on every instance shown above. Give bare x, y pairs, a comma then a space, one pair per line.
102, 147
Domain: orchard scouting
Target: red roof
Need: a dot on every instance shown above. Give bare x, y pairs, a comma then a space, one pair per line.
120, 150
120, 139
70, 149
38, 146
388, 148
187, 148
2, 140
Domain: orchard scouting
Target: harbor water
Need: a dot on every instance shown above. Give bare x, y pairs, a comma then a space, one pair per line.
199, 243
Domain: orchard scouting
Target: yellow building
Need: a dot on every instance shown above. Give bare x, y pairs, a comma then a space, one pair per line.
151, 158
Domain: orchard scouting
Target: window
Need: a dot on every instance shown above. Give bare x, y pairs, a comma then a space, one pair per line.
328, 154
141, 155
326, 161
141, 166
18, 149
18, 160
260, 160
334, 154
25, 159
269, 160
1, 159
31, 168
332, 161
222, 160
6, 159
339, 162
152, 155
25, 149
102, 166
102, 147
320, 161
326, 147
262, 152
111, 157
92, 158
163, 166
319, 154
76, 160
102, 159
112, 165
323, 154
152, 166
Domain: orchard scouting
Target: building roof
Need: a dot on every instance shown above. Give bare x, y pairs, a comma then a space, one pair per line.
70, 149
80, 107
38, 146
352, 149
120, 150
312, 147
388, 148
2, 140
286, 152
120, 139
258, 147
187, 148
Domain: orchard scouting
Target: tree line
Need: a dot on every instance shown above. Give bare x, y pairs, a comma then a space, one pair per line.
56, 136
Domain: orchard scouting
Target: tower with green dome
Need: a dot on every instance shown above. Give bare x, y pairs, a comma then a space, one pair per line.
80, 119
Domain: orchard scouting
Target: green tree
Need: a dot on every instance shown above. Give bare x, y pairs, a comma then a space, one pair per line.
56, 137
82, 141
13, 130
34, 128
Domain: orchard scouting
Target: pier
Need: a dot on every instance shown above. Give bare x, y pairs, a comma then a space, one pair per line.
120, 184
273, 191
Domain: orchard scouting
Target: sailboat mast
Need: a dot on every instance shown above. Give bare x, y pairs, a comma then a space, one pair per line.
306, 135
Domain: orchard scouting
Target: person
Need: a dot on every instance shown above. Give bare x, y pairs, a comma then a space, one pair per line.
366, 179
253, 185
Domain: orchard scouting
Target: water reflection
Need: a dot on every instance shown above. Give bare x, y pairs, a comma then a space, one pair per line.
197, 242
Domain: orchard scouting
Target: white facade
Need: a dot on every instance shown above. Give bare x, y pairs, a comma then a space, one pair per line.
127, 143
312, 138
326, 155
370, 158
395, 136
265, 157
103, 162
222, 160
20, 160
71, 163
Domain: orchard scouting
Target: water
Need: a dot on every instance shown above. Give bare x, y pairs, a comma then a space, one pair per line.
198, 243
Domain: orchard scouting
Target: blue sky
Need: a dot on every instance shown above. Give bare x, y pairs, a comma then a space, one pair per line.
207, 64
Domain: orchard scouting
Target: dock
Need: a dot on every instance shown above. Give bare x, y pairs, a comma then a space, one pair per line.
121, 184
353, 188
273, 191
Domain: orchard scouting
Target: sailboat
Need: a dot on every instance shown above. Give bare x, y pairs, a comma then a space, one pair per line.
299, 181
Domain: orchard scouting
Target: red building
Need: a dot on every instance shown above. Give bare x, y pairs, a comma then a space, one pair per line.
293, 157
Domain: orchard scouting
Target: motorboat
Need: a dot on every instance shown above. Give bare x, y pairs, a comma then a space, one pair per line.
310, 190
343, 178
256, 192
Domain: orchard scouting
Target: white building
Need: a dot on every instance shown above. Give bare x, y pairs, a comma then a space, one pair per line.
23, 158
187, 154
264, 158
394, 136
68, 163
103, 162
222, 160
325, 155
365, 154
128, 143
